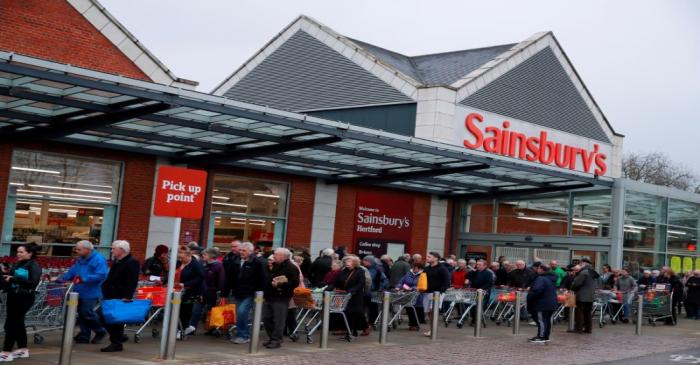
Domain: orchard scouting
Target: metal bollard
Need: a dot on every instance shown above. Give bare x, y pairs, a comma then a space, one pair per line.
68, 329
257, 318
479, 312
174, 320
435, 315
572, 319
386, 299
516, 317
326, 319
640, 305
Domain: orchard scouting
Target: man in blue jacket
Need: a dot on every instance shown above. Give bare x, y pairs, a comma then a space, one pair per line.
88, 274
542, 301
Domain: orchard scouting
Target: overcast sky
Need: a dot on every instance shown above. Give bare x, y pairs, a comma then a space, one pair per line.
639, 59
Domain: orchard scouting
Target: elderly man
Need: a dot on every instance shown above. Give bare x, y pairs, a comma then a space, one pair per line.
231, 260
501, 274
521, 276
584, 286
87, 274
320, 267
120, 284
251, 278
400, 268
281, 280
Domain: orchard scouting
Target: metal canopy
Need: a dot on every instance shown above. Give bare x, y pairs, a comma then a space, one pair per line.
41, 100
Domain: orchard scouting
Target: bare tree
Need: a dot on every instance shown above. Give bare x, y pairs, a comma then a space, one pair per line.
658, 169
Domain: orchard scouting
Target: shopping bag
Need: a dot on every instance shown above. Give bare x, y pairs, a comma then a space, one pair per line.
570, 301
422, 282
222, 316
126, 312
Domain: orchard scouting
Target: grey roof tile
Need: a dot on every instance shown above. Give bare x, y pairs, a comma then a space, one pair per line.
539, 91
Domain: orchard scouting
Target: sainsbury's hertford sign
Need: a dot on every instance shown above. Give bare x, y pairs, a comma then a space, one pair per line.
479, 130
381, 219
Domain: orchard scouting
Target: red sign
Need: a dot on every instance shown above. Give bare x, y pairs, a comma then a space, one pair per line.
512, 143
381, 219
180, 192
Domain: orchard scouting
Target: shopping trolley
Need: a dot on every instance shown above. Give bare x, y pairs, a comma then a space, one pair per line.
306, 305
656, 305
338, 303
601, 305
398, 301
157, 295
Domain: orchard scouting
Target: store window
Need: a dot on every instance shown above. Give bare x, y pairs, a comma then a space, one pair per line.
637, 261
540, 216
591, 213
248, 209
683, 225
57, 200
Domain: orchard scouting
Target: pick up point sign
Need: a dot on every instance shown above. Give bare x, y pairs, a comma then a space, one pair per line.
180, 192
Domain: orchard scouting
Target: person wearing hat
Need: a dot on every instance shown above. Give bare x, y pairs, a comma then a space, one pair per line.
584, 286
157, 265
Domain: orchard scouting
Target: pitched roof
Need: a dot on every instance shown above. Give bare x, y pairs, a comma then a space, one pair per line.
437, 68
127, 43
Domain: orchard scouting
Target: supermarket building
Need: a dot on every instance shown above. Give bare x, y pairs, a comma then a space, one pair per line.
320, 140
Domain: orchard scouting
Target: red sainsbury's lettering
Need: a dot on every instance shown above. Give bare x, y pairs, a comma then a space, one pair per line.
539, 148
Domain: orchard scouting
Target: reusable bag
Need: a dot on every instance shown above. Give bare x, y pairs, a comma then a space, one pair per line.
422, 282
127, 312
570, 301
222, 316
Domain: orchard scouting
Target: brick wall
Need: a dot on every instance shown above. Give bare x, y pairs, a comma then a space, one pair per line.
345, 217
54, 30
137, 188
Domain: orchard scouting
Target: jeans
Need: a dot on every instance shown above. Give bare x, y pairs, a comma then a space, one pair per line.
87, 319
243, 307
198, 311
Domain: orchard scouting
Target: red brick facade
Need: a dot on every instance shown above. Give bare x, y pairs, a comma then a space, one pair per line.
137, 186
54, 30
345, 217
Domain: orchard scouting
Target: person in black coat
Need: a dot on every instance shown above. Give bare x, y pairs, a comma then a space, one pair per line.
480, 278
121, 283
320, 267
191, 278
230, 261
248, 277
521, 277
439, 280
19, 283
542, 301
280, 283
352, 280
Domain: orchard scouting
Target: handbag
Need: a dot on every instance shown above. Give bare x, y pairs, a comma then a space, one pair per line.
126, 312
570, 301
422, 282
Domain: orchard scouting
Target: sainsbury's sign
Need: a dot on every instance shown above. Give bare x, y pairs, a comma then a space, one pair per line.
490, 133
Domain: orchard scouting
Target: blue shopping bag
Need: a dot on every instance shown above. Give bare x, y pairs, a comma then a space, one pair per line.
127, 312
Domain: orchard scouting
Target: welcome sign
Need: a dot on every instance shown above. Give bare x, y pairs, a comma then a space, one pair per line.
381, 219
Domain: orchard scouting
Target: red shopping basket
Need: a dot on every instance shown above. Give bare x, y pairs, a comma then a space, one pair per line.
156, 294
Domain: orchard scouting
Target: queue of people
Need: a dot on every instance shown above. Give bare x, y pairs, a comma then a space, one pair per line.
205, 277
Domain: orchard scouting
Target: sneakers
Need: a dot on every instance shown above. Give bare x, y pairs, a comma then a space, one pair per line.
6, 357
537, 340
240, 340
20, 353
189, 330
532, 323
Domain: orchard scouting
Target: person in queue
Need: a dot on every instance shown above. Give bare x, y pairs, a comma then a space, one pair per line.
19, 282
557, 271
387, 262
693, 295
438, 281
379, 283
501, 274
280, 282
336, 268
214, 283
607, 278
628, 286
121, 283
542, 301
459, 275
230, 261
190, 275
351, 280
646, 281
291, 322
320, 267
482, 278
584, 286
398, 270
520, 277
409, 282
250, 273
676, 285
157, 265
87, 275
